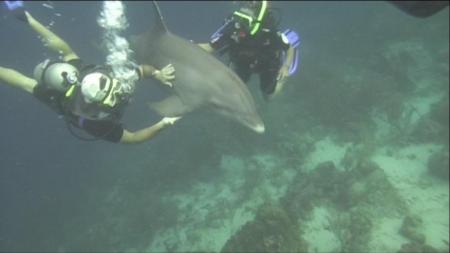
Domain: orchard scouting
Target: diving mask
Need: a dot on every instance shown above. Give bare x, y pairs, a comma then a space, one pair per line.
100, 88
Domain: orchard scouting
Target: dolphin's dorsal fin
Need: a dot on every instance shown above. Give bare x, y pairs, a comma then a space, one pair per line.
159, 21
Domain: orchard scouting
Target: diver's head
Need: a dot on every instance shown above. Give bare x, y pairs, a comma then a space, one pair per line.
254, 6
252, 14
56, 75
100, 88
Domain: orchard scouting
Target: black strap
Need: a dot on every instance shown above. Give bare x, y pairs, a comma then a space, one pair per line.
71, 126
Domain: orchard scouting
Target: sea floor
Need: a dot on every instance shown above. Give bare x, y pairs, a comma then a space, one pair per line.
212, 212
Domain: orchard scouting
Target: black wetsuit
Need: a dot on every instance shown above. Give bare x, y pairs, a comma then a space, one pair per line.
109, 129
259, 53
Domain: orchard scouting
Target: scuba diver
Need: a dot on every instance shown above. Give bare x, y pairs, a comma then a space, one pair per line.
254, 44
87, 96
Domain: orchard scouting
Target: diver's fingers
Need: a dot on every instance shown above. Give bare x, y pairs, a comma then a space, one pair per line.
280, 76
169, 70
168, 73
175, 119
168, 84
170, 120
169, 67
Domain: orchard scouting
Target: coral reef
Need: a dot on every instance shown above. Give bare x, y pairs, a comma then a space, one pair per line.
272, 230
438, 164
410, 229
434, 126
417, 248
353, 230
357, 194
308, 188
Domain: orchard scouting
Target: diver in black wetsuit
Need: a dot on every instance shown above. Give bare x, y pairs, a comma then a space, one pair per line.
87, 96
254, 44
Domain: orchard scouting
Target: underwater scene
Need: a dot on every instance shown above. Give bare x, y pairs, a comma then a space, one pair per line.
352, 156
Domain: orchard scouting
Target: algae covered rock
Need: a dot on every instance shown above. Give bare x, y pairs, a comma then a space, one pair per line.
438, 164
356, 229
411, 229
434, 126
272, 230
417, 248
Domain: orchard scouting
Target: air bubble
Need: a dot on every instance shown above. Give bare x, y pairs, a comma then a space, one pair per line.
49, 6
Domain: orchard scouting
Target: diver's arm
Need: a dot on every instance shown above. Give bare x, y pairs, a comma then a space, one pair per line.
284, 70
17, 79
51, 40
220, 37
146, 133
206, 46
146, 70
283, 73
165, 75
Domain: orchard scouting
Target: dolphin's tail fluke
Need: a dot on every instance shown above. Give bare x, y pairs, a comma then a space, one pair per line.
160, 26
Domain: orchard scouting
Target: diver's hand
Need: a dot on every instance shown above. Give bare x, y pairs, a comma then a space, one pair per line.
283, 73
169, 120
165, 75
281, 79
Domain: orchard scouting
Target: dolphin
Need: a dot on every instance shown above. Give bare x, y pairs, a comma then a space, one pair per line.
202, 81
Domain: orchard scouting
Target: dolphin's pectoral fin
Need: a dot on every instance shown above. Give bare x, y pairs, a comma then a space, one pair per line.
170, 107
